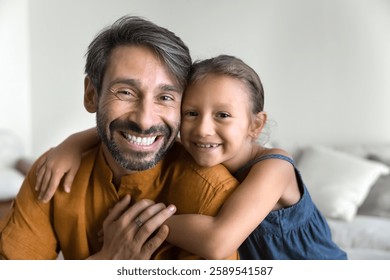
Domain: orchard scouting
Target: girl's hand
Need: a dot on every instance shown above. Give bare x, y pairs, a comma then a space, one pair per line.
57, 164
62, 162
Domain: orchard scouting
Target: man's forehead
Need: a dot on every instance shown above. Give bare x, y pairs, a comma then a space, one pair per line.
137, 65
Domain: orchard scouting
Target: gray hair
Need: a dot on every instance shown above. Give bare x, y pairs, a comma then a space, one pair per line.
133, 30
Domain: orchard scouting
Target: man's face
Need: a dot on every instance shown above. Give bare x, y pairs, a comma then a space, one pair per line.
138, 112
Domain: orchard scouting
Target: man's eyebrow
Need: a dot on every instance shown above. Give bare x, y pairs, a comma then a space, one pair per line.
137, 83
130, 82
166, 87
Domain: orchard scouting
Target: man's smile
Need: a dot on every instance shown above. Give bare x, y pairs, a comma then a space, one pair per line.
138, 140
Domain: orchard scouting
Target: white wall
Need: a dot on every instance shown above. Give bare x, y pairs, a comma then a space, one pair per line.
324, 64
15, 93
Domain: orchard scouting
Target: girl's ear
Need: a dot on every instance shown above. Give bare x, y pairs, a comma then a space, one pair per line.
90, 96
257, 125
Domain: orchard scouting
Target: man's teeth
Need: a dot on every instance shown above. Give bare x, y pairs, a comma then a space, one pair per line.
142, 141
207, 145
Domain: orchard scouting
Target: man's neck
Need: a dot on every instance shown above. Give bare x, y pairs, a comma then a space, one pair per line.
117, 170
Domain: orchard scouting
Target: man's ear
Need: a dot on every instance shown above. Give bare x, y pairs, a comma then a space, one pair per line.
90, 96
258, 124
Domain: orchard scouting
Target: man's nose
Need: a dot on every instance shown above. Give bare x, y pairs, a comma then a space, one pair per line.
146, 114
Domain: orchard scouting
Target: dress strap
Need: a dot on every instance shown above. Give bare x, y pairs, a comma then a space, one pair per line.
249, 164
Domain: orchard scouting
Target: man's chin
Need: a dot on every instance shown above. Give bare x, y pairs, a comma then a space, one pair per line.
137, 163
138, 159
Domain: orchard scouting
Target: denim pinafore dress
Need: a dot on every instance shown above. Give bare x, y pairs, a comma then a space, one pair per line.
298, 232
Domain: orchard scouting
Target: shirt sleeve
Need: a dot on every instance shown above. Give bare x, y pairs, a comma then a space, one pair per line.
198, 190
27, 231
221, 187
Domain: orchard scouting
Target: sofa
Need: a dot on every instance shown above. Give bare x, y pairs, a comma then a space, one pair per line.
14, 165
350, 185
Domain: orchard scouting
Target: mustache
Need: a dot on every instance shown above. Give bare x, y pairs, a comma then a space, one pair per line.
132, 126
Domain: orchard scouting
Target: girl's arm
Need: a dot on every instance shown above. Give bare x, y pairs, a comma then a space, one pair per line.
220, 236
51, 170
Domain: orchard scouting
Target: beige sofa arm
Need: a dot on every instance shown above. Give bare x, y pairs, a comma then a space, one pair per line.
23, 165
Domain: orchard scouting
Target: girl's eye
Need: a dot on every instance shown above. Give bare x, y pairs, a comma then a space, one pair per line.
223, 115
191, 113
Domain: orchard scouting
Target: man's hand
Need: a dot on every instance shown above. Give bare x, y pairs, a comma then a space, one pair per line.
128, 231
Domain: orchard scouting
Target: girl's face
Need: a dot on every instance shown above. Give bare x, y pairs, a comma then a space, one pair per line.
217, 122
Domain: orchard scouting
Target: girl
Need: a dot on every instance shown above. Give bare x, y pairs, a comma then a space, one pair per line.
222, 117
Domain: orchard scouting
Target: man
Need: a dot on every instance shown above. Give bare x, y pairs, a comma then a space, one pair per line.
136, 72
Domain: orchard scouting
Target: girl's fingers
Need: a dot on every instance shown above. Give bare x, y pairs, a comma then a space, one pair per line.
40, 170
42, 160
69, 178
52, 187
39, 173
44, 184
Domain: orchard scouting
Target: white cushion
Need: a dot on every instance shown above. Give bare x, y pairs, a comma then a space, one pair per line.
377, 202
338, 182
10, 182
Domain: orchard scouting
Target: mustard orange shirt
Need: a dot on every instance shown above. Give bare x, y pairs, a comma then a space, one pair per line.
70, 222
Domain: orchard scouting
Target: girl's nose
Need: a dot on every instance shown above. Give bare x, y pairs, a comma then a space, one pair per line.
205, 127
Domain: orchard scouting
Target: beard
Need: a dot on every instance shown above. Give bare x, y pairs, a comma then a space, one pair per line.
135, 160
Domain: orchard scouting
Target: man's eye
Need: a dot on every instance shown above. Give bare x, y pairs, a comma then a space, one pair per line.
123, 93
166, 98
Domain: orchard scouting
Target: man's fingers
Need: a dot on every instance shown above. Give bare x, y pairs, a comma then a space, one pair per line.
118, 209
153, 243
123, 216
149, 212
125, 239
153, 223
131, 213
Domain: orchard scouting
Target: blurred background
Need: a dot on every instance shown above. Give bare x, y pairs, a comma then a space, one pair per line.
324, 64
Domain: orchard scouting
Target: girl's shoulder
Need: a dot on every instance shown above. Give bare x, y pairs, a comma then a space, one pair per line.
266, 152
270, 159
263, 157
273, 159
